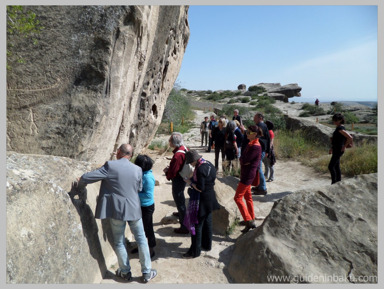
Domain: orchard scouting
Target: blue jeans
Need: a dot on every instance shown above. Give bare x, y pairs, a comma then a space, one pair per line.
137, 228
262, 185
269, 170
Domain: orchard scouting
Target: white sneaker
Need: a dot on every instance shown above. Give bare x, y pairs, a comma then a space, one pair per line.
149, 276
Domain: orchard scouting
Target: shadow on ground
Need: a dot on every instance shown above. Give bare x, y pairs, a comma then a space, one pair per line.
271, 197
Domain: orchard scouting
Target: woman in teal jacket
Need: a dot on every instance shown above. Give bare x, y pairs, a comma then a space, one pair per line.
147, 200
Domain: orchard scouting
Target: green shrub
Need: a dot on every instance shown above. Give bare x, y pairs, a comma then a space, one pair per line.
278, 121
257, 89
336, 107
233, 100
304, 114
312, 110
270, 109
296, 145
177, 107
355, 161
253, 102
350, 117
228, 110
158, 146
366, 130
245, 99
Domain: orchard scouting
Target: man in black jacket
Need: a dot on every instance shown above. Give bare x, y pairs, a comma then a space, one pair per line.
265, 142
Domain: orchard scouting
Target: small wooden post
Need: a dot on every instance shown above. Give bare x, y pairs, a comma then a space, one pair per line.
317, 119
352, 126
182, 120
171, 128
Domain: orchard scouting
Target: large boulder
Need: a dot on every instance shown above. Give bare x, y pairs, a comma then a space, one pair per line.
290, 90
324, 235
226, 217
53, 236
275, 90
98, 76
241, 87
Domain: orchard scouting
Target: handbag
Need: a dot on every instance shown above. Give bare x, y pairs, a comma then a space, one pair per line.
187, 170
256, 180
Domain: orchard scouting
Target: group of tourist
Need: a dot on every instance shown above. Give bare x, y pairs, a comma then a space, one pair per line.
229, 139
127, 189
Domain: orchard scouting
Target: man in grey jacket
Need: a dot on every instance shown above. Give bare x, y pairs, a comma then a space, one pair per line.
119, 202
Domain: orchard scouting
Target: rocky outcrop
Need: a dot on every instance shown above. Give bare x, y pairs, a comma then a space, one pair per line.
98, 76
241, 87
226, 217
52, 236
322, 133
324, 235
278, 92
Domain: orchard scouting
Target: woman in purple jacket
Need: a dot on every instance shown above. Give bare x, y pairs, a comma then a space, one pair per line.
249, 162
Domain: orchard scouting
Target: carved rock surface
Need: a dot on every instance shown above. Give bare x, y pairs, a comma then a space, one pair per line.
318, 236
53, 237
98, 76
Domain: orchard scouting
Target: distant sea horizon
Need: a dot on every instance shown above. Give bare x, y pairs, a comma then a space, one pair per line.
311, 100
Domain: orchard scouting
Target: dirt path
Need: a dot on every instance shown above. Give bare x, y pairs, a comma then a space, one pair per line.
210, 267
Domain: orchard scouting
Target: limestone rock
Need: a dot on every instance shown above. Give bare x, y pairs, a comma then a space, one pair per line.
98, 76
327, 235
278, 96
290, 90
223, 219
275, 89
53, 237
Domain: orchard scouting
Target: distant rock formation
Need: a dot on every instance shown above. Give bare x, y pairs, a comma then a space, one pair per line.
278, 92
98, 76
242, 87
328, 235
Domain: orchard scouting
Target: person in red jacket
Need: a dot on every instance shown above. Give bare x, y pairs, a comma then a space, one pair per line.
249, 165
172, 174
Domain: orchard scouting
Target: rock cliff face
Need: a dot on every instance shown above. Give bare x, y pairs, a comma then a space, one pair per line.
53, 237
319, 236
98, 76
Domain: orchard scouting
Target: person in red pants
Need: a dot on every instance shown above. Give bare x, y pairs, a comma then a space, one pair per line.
249, 166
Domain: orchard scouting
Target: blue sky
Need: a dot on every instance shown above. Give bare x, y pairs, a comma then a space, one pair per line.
330, 51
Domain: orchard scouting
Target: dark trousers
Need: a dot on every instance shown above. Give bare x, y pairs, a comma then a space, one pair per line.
217, 152
147, 216
210, 143
203, 237
334, 167
204, 136
178, 186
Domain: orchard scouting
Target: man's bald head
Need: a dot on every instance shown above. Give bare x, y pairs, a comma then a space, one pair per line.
125, 150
